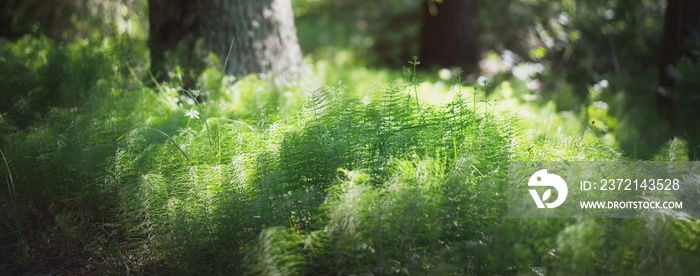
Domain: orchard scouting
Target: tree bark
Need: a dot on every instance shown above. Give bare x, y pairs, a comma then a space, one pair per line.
263, 33
681, 21
449, 34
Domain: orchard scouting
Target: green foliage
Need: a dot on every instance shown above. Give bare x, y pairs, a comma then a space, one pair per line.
404, 178
39, 74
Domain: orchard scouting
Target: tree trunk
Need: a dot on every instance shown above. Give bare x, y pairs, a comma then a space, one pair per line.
449, 34
263, 33
681, 21
677, 98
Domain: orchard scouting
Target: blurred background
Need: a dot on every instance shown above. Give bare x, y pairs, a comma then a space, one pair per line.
604, 60
612, 62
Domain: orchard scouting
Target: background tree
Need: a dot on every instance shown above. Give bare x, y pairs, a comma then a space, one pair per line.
263, 34
677, 97
681, 26
449, 34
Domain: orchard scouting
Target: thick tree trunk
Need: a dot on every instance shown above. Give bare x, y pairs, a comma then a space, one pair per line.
263, 33
449, 34
681, 21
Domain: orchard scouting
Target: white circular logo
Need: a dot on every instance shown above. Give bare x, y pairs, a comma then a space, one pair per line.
542, 178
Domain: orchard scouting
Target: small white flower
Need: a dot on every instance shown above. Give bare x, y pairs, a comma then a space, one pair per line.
193, 114
482, 81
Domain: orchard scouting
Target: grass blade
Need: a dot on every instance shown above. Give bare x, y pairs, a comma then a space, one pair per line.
164, 134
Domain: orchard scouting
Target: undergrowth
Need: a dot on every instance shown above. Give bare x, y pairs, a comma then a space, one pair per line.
271, 180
